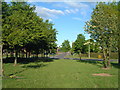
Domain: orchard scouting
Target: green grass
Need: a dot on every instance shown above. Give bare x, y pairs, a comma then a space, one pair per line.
59, 74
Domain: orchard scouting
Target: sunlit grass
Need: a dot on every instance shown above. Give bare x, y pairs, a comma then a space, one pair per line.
59, 74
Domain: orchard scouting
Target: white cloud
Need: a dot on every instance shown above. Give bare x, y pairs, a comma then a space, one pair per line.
74, 7
48, 13
60, 5
83, 13
74, 10
81, 7
76, 18
77, 5
80, 19
68, 11
50, 20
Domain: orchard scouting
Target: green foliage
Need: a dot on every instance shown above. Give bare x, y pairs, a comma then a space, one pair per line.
94, 47
65, 46
78, 45
103, 26
23, 29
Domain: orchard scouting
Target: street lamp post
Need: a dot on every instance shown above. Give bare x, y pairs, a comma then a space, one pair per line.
88, 43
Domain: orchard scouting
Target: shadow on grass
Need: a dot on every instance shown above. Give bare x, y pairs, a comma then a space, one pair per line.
34, 66
17, 72
116, 65
94, 62
98, 62
37, 63
28, 60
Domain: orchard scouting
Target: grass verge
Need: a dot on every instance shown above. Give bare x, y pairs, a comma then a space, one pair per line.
59, 73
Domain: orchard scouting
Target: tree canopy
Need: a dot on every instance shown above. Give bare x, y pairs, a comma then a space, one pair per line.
78, 45
23, 29
65, 46
103, 26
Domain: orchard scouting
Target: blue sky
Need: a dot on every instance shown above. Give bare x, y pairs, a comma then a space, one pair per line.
69, 17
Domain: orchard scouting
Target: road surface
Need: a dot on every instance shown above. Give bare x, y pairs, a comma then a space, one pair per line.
60, 56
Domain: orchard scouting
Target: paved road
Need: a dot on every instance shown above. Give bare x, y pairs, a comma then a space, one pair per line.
60, 56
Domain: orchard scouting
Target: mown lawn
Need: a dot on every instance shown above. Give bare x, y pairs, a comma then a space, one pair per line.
59, 74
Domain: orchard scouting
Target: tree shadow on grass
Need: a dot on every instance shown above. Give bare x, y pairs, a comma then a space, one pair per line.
90, 61
34, 66
26, 67
17, 72
28, 60
116, 65
37, 63
98, 62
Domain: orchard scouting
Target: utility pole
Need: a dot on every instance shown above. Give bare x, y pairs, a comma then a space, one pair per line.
88, 43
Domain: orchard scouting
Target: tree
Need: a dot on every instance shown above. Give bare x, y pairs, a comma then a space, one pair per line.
14, 30
78, 44
118, 32
65, 46
3, 19
102, 27
23, 30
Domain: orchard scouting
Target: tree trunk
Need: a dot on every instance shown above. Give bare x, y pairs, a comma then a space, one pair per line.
89, 51
42, 54
6, 54
119, 54
104, 60
19, 54
37, 55
45, 53
80, 55
11, 54
26, 55
108, 58
29, 54
16, 54
22, 54
33, 55
1, 53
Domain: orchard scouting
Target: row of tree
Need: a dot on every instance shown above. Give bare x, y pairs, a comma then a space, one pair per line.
23, 32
